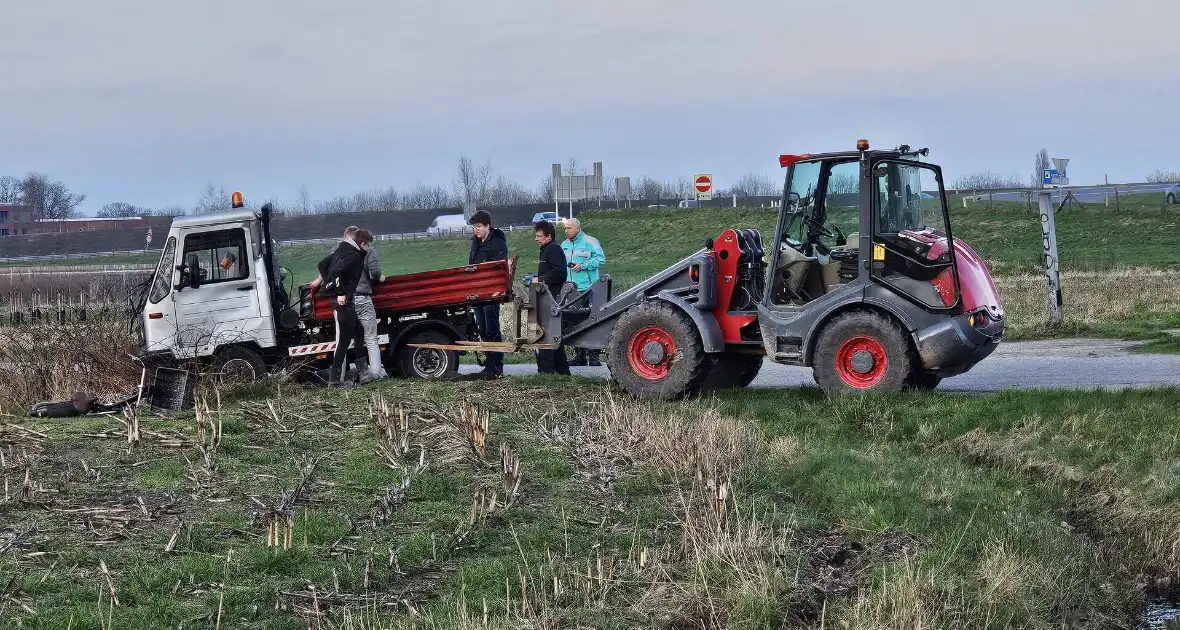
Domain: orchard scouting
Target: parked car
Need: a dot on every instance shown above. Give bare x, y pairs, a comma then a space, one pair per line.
448, 224
1172, 193
689, 203
551, 217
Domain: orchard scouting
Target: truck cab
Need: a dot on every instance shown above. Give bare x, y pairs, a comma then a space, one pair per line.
215, 288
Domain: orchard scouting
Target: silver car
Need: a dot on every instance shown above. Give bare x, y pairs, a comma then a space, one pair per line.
1172, 193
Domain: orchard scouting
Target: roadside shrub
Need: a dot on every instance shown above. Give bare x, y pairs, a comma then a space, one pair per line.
46, 361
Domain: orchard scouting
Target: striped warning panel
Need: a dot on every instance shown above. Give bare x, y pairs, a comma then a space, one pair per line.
330, 346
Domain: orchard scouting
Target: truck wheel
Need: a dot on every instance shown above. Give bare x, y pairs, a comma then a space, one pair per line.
730, 369
236, 363
862, 351
426, 363
655, 351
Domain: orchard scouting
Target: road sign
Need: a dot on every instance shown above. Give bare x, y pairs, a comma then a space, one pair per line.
1061, 163
703, 186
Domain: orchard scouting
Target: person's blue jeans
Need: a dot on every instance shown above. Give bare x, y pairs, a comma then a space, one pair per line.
487, 319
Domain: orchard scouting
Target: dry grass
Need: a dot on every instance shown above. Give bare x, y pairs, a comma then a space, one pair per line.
1092, 300
45, 361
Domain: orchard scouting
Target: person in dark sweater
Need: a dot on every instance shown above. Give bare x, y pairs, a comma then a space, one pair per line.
341, 271
551, 271
488, 244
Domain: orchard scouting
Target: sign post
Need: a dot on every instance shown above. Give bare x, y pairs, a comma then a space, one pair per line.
703, 187
1053, 177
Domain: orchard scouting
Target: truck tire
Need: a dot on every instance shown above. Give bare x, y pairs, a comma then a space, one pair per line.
238, 363
861, 352
730, 369
426, 363
655, 351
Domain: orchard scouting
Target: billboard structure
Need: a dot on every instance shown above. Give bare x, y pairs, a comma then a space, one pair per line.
571, 188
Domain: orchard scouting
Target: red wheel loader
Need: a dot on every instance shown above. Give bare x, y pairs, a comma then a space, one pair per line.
861, 280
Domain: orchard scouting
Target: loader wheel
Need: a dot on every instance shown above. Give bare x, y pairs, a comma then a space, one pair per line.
730, 369
922, 381
861, 352
238, 364
1171, 198
655, 351
426, 363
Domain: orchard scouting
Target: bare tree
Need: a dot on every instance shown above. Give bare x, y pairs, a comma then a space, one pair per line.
986, 180
423, 197
843, 183
304, 203
1038, 174
753, 185
49, 199
213, 199
545, 192
1161, 176
172, 211
9, 189
471, 181
507, 193
121, 209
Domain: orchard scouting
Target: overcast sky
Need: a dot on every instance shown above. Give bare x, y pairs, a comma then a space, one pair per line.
146, 102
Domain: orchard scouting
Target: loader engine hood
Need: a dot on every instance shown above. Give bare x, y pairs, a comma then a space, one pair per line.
975, 281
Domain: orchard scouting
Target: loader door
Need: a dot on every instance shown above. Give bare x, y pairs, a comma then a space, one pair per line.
217, 298
911, 234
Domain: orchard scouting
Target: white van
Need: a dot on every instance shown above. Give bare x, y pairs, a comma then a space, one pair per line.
448, 224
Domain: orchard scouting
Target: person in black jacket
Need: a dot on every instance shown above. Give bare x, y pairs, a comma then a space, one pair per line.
341, 271
488, 244
551, 271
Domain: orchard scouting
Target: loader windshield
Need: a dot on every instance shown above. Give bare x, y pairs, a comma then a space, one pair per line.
902, 206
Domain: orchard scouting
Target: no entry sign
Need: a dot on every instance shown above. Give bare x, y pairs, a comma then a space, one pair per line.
703, 184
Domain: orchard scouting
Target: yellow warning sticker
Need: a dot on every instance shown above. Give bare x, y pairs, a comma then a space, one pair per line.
878, 252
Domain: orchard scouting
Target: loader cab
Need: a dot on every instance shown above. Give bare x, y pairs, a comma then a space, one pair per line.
857, 219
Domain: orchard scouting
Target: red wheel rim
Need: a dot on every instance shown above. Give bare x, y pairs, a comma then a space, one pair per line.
861, 362
650, 353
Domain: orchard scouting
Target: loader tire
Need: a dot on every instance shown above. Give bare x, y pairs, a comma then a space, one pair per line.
730, 369
861, 352
655, 351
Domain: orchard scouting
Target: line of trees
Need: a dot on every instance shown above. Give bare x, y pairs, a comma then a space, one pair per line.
472, 182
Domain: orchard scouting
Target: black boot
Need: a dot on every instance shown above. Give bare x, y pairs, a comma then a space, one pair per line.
594, 361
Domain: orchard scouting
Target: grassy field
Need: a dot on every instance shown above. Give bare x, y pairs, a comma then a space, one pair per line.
541, 503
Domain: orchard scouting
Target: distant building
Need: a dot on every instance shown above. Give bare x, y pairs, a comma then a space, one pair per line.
16, 220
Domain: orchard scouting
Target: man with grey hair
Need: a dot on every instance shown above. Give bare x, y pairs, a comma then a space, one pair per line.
584, 256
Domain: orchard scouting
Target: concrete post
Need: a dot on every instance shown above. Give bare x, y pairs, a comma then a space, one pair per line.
1052, 268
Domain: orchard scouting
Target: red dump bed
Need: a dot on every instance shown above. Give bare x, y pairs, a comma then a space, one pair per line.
413, 292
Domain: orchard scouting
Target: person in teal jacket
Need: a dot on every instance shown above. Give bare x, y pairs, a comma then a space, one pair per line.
584, 256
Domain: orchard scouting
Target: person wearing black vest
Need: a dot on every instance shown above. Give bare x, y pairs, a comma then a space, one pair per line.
488, 244
341, 271
551, 271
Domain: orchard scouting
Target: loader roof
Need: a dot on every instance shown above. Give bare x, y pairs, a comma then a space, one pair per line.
235, 215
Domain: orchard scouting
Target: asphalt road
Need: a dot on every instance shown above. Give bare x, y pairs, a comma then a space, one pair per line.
1086, 194
1065, 364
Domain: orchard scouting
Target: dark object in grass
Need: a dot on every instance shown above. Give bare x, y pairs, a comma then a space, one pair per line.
80, 405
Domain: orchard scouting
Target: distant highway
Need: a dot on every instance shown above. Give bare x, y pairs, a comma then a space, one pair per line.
1059, 364
1081, 194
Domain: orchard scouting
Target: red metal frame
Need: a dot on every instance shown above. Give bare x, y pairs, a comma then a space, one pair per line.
726, 253
458, 286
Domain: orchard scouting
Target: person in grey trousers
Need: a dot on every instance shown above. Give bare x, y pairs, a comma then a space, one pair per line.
370, 367
367, 314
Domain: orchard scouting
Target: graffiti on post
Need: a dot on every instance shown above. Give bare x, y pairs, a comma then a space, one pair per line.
1051, 260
